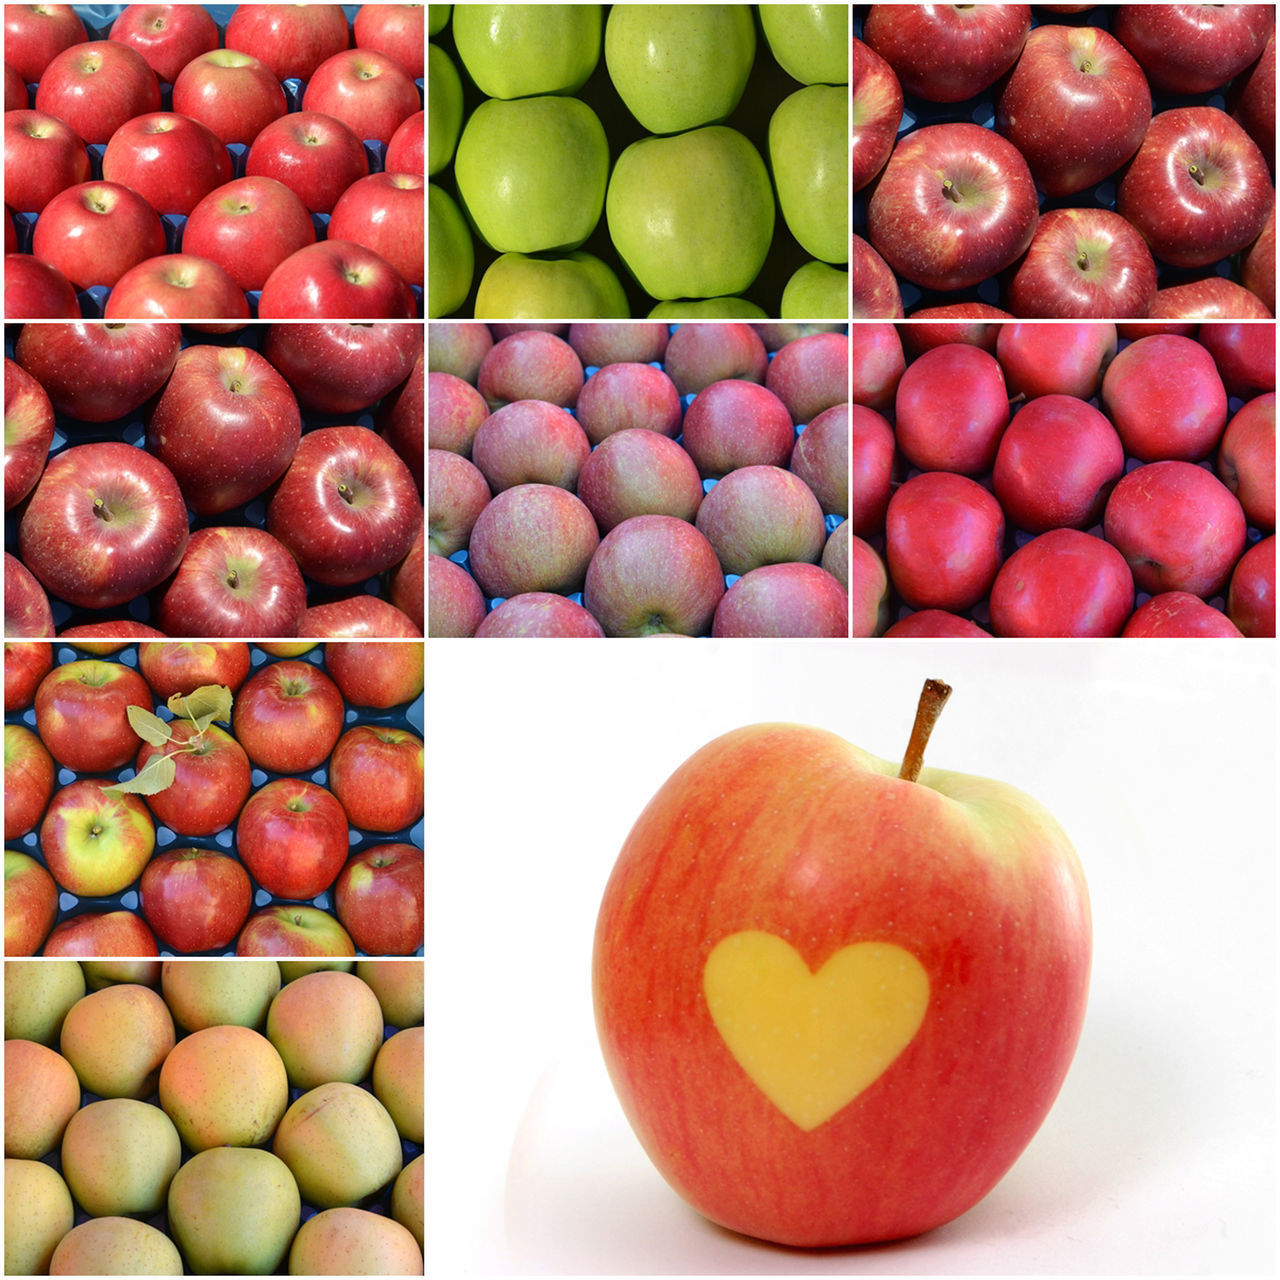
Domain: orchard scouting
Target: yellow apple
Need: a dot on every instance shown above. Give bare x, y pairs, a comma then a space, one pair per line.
115, 1247
37, 1213
326, 1026
116, 1040
398, 984
41, 1093
119, 1156
397, 1081
37, 995
210, 993
354, 1242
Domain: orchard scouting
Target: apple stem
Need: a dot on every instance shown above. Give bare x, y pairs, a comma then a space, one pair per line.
100, 510
1083, 261
1197, 173
933, 697
949, 190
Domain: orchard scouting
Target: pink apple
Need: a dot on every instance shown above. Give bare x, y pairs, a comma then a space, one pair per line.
761, 515
33, 290
384, 212
455, 410
231, 93
394, 29
42, 156
1245, 355
871, 606
1251, 597
1247, 460
195, 899
173, 162
404, 151
95, 232
293, 40
784, 600
28, 432
878, 364
876, 295
457, 493
615, 342
539, 614
26, 607
316, 156
358, 618
455, 605
810, 374
177, 286
1055, 359
699, 354
877, 112
364, 89
1189, 49
635, 473
625, 396
1178, 614
534, 365
733, 424
34, 34
168, 36
334, 279
936, 624
530, 442
96, 87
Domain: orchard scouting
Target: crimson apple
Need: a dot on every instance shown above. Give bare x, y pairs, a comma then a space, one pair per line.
333, 279
288, 716
94, 934
780, 600
15, 90
530, 442
95, 844
343, 367
314, 155
292, 930
29, 774
195, 899
1258, 264
34, 34
96, 231
30, 904
178, 286
810, 374
456, 605
292, 837
210, 784
1213, 298
42, 156
406, 588
168, 36
1178, 614
1057, 359
401, 420
532, 364
1247, 460
82, 714
364, 89
870, 610
976, 323
542, 614
877, 112
26, 607
1254, 97
172, 668
87, 637
379, 899
393, 29
878, 365
384, 212
231, 93
292, 40
1192, 48
404, 151
1245, 355
33, 290
937, 624
359, 617
28, 432
96, 87
621, 396
636, 473
381, 675
876, 295
170, 160
376, 773
1251, 596
25, 665
871, 469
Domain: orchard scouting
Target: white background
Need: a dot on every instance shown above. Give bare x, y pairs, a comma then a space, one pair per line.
1158, 757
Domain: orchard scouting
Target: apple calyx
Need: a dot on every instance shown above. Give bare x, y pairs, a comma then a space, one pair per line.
933, 697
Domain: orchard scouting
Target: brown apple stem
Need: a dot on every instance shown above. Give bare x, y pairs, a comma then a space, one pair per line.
1083, 261
100, 510
933, 697
949, 190
1197, 173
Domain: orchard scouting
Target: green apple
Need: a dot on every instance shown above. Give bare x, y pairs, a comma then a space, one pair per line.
691, 216
119, 1156
531, 173
678, 66
809, 41
444, 87
809, 154
202, 995
816, 289
516, 287
519, 50
437, 18
37, 997
451, 255
709, 309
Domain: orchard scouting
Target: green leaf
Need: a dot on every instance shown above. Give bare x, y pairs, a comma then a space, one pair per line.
203, 706
156, 777
148, 726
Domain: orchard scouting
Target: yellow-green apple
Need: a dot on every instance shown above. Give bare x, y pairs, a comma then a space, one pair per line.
835, 555
539, 613
879, 363
761, 515
117, 1039
530, 442
530, 364
1057, 464
1178, 526
171, 668
1194, 50
871, 614
384, 212
1179, 614
195, 899
229, 92
26, 663
699, 354
178, 286
397, 1081
877, 111
808, 41
292, 40
1245, 357
393, 29
1211, 298
292, 836
28, 781
342, 368
30, 903
96, 231
34, 34
1165, 396
95, 844
357, 618
119, 1156
170, 160
314, 155
107, 1246
336, 278
300, 1024
82, 713
41, 1093
43, 155
455, 605
364, 89
947, 53
954, 206
944, 541
687, 238
802, 1045
350, 1241
1198, 188
233, 1210
735, 423
224, 1087
1076, 106
101, 933
517, 287
635, 472
514, 51
820, 457
168, 36
1258, 264
457, 493
876, 295
815, 289
96, 87
338, 1142
778, 600
38, 996
407, 1197
106, 973
203, 995
1247, 459
398, 984
288, 716
1062, 359
37, 1213
376, 772
808, 143
26, 607
811, 374
451, 254
1251, 594
293, 930
378, 896
33, 290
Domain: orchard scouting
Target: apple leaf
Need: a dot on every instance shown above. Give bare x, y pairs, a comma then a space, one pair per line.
148, 726
154, 778
203, 706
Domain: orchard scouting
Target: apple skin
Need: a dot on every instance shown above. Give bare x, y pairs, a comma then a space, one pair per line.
210, 784
636, 473
540, 614
530, 442
26, 607
292, 837
872, 470
94, 934
35, 34
761, 515
316, 156
1059, 359
1177, 615
170, 160
1076, 106
96, 87
1178, 526
168, 36
172, 668
379, 899
93, 844
1258, 265
364, 89
626, 396
195, 899
292, 930
288, 716
401, 420
30, 904
781, 600
380, 675
28, 432
29, 774
455, 410
456, 605
606, 343
359, 617
934, 624
231, 93
879, 363
1247, 460
877, 112
1251, 597
406, 586
33, 290
336, 278
393, 29
82, 714
178, 286
699, 354
976, 323
811, 374
1188, 49
457, 494
811, 858
870, 615
25, 665
1212, 298
530, 365
292, 40
42, 156
1245, 355
734, 423
94, 232
376, 773
1254, 99
876, 295
384, 212
808, 142
342, 368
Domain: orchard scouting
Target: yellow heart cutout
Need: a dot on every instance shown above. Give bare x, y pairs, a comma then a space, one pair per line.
811, 1042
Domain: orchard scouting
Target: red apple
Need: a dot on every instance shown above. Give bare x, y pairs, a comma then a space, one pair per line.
293, 931
364, 89
380, 675
25, 665
293, 40
292, 837
455, 410
237, 581
376, 773
177, 286
96, 231
622, 396
734, 423
314, 155
820, 457
1245, 355
457, 494
96, 87
614, 342
95, 844
404, 151
761, 515
384, 212
33, 290
456, 605
529, 442
406, 588
811, 374
936, 624
195, 899
87, 639
173, 162
288, 716
636, 473
870, 610
231, 93
1055, 359
28, 432
335, 279
360, 617
878, 364
401, 421
1193, 48
210, 784
780, 600
1247, 460
393, 29
102, 933
977, 323
532, 364
28, 780
538, 613
81, 714
378, 897
30, 904
872, 470
168, 36
15, 90
876, 295
1258, 264
1212, 298
26, 607
170, 668
1251, 597
42, 156
34, 34
342, 367
1178, 614
1254, 97
877, 112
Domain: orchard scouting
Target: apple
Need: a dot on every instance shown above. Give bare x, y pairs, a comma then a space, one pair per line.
86, 637
404, 151
1178, 614
514, 51
30, 904
293, 930
171, 669
46, 1212
195, 899
376, 773
170, 160
876, 294
332, 279
168, 36
401, 420
1212, 298
761, 515
1193, 50
42, 1096
1245, 355
457, 493
607, 343
805, 882
82, 714
406, 588
530, 442
530, 365
635, 473
178, 286
357, 1240
625, 396
299, 1018
699, 354
96, 87
210, 781
456, 605
977, 323
347, 507
108, 972
445, 87
397, 1080
870, 614
393, 29
935, 624
451, 254
96, 231
1057, 464
292, 40
378, 897
364, 89
28, 780
871, 469
820, 457
954, 205
316, 156
815, 289
28, 432
94, 844
34, 34
230, 92
1166, 399
1254, 97
235, 581
779, 600
344, 367
1058, 359
26, 607
33, 290
811, 374
25, 665
1251, 595
384, 212
1247, 460
288, 716
381, 675
42, 156
1198, 188
1258, 264
539, 613
1178, 526
879, 363
734, 423
808, 41
459, 348
108, 1245
292, 837
877, 112
1076, 106
808, 143
677, 67
357, 618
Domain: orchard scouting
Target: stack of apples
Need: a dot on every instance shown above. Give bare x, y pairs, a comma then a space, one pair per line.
237, 517
295, 830
166, 167
1074, 479
1093, 162
598, 479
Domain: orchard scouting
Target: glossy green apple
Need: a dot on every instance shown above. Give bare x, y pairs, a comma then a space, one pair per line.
816, 291
451, 255
809, 155
677, 66
444, 88
437, 18
692, 215
809, 41
518, 50
532, 173
516, 287
709, 309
